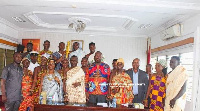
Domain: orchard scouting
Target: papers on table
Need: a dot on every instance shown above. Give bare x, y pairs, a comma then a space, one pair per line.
102, 104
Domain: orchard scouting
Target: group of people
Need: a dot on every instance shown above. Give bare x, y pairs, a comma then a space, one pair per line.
81, 78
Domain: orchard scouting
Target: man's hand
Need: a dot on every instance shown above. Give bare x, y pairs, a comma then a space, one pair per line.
30, 93
4, 98
115, 90
145, 102
172, 103
66, 99
87, 96
76, 84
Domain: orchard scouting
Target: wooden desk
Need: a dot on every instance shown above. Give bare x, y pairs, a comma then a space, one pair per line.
39, 107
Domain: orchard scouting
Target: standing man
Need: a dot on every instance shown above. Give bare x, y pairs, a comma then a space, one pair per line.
98, 78
33, 62
59, 55
11, 79
114, 64
29, 49
149, 70
120, 87
176, 86
75, 83
45, 51
90, 56
77, 52
140, 81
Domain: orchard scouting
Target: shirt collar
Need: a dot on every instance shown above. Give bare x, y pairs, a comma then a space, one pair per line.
136, 72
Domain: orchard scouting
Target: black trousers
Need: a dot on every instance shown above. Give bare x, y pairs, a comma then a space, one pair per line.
97, 98
12, 106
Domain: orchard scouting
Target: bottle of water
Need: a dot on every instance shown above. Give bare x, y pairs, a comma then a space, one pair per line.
49, 100
28, 109
114, 103
40, 101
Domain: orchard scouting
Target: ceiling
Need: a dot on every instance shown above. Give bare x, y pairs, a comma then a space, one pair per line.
114, 17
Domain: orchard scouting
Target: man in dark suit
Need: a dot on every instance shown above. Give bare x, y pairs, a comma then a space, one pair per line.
140, 81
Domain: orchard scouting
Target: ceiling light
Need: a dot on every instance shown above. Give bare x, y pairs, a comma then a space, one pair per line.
73, 6
18, 19
78, 23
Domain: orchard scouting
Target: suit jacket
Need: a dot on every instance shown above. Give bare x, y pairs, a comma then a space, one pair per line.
142, 89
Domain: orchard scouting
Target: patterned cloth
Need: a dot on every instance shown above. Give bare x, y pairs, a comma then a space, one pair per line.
157, 93
27, 81
61, 72
86, 78
175, 82
124, 82
57, 55
52, 88
43, 52
36, 90
98, 77
76, 94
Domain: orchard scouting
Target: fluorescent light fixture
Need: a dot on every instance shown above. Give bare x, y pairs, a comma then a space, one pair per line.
18, 19
144, 26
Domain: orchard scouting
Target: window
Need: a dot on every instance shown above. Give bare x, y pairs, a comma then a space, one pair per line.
187, 62
153, 62
9, 56
2, 60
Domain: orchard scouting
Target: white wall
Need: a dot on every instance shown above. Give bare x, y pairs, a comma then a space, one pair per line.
189, 26
8, 32
111, 46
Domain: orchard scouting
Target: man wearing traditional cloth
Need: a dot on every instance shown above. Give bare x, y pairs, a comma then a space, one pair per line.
29, 47
91, 54
75, 83
121, 85
176, 86
98, 78
77, 51
60, 55
45, 50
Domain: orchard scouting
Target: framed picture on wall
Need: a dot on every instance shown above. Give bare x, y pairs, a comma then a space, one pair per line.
81, 44
35, 42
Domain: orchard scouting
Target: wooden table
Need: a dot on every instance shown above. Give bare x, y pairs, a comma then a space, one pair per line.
39, 107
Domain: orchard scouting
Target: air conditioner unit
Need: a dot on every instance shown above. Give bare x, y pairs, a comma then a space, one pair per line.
172, 32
